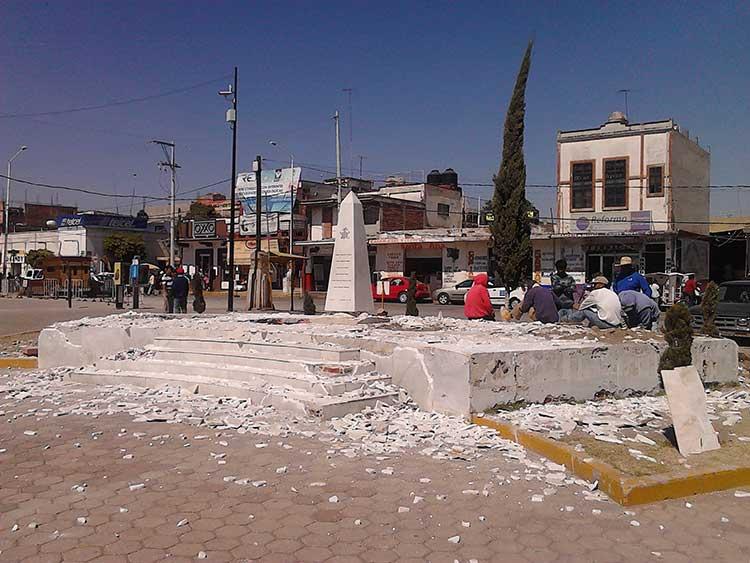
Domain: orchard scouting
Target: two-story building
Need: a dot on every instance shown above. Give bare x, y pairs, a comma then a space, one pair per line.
628, 189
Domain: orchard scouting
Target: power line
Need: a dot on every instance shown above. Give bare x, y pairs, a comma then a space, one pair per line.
115, 103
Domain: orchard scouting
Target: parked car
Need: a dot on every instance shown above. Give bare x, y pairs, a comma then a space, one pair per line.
397, 287
456, 294
732, 311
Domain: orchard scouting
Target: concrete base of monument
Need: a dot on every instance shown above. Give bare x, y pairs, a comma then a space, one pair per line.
450, 366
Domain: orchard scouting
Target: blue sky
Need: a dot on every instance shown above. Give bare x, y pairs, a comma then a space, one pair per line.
431, 83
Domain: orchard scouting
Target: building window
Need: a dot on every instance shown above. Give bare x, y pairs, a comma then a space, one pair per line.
655, 181
615, 183
582, 183
443, 209
371, 214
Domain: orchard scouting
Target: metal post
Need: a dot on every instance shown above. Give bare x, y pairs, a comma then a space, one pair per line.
338, 156
70, 287
6, 220
5, 225
233, 198
171, 207
291, 238
258, 198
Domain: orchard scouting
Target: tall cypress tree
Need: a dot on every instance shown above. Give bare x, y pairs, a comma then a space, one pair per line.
511, 228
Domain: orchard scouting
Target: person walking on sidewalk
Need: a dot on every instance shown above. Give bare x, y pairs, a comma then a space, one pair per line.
180, 291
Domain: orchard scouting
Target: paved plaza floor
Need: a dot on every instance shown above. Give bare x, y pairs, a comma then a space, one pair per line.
106, 488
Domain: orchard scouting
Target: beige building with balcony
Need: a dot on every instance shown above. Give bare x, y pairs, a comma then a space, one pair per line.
629, 189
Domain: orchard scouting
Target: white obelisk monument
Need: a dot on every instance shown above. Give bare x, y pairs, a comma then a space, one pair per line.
349, 287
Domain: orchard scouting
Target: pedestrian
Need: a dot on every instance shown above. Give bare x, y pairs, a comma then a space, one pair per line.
629, 278
563, 285
166, 289
542, 299
477, 305
690, 291
638, 310
199, 303
601, 307
180, 291
151, 284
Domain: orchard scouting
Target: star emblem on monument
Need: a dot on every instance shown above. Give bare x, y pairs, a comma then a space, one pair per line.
344, 233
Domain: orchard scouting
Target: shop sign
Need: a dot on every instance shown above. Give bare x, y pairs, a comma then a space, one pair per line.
204, 229
612, 222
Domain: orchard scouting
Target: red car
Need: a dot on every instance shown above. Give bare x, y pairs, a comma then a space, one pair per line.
397, 288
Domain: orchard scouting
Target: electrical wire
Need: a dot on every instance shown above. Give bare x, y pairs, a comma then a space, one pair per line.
116, 103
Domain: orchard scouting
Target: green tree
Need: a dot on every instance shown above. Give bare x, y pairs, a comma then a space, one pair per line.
511, 228
678, 332
709, 306
200, 211
411, 297
121, 247
35, 258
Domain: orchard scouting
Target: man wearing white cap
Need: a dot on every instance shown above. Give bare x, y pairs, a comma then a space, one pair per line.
630, 279
601, 307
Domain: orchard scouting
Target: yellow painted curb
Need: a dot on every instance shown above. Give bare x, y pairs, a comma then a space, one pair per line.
20, 363
620, 487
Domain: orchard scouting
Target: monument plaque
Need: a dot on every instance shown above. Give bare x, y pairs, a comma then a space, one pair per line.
349, 283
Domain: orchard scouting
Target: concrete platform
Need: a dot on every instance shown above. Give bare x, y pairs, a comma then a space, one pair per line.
447, 365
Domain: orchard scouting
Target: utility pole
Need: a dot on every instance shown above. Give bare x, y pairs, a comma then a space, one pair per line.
625, 92
361, 158
6, 220
291, 237
231, 92
257, 168
351, 143
173, 166
338, 155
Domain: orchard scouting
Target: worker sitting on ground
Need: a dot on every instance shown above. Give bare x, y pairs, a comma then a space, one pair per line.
477, 305
638, 309
544, 302
601, 308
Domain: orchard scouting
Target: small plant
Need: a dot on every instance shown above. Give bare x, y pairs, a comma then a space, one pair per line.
308, 305
678, 333
411, 297
708, 306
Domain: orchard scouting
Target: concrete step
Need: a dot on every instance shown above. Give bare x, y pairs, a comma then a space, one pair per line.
299, 380
279, 397
264, 361
263, 348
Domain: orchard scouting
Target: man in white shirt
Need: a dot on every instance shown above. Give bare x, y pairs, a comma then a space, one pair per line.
601, 307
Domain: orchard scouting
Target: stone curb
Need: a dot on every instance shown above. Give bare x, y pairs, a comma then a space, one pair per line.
621, 487
18, 363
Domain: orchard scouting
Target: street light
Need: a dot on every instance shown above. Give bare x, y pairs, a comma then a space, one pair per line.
231, 95
292, 190
7, 214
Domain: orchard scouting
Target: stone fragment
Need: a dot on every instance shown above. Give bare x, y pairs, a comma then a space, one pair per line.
182, 523
537, 498
29, 433
333, 499
402, 509
687, 404
455, 539
81, 520
280, 470
635, 523
202, 555
741, 494
137, 486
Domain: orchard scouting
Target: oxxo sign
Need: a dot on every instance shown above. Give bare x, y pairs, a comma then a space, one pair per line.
204, 229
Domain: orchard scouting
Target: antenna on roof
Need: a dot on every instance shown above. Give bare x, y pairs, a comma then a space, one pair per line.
625, 92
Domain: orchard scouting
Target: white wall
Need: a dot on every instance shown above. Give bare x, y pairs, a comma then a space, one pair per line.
691, 166
655, 152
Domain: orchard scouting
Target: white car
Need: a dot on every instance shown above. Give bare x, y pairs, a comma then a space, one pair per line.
456, 293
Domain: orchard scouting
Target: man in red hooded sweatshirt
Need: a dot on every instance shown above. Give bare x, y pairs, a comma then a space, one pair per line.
477, 301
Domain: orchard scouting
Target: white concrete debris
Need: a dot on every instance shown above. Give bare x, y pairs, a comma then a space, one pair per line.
202, 555
29, 433
402, 509
81, 520
741, 494
455, 539
137, 486
622, 421
183, 522
333, 499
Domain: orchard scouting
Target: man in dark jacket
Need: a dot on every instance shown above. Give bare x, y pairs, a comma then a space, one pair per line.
542, 300
180, 290
563, 285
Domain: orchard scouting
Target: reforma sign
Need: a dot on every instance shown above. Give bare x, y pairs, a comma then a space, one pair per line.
107, 221
612, 222
204, 229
